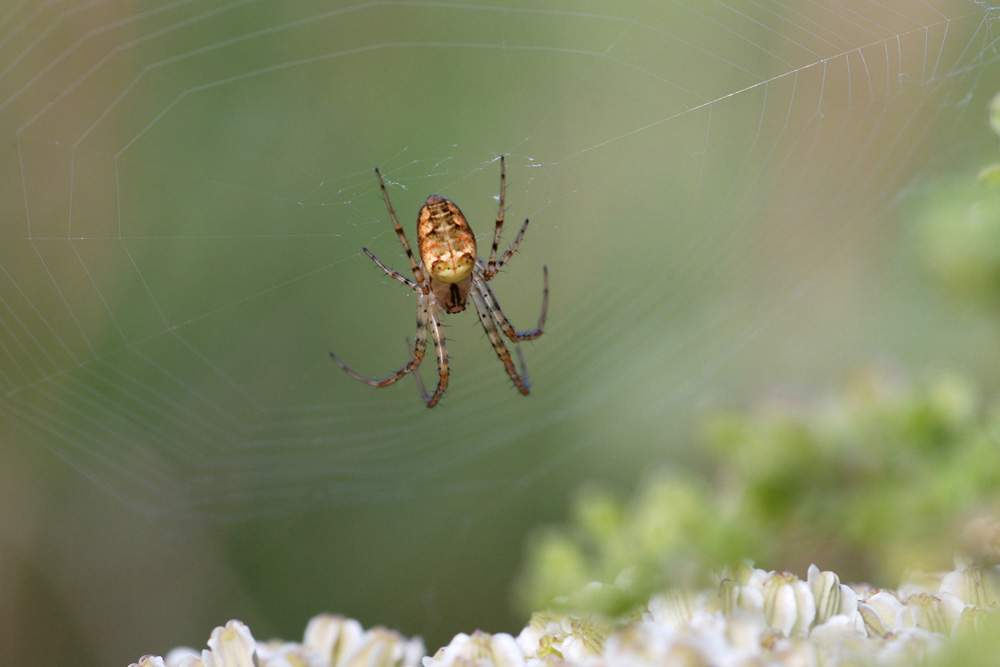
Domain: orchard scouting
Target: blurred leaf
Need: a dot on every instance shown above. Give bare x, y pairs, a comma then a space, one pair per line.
989, 175
881, 478
958, 232
977, 642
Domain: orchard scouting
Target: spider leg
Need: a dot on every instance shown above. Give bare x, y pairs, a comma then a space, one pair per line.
498, 315
444, 372
492, 264
487, 317
522, 365
417, 272
416, 374
419, 349
511, 249
395, 275
492, 267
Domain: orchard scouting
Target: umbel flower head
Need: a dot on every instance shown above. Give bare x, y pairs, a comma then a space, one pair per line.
750, 618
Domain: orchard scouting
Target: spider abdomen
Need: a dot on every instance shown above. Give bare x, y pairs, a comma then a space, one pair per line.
447, 245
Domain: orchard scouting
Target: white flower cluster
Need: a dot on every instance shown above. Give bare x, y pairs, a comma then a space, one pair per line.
330, 641
753, 618
767, 618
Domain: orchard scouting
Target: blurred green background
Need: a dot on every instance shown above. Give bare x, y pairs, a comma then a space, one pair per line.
727, 197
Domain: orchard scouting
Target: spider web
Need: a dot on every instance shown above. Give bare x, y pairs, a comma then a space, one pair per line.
714, 187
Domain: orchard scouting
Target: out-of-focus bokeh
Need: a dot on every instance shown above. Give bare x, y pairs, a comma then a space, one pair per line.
732, 200
839, 480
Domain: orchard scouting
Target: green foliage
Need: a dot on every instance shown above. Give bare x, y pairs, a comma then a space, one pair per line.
958, 227
878, 479
978, 645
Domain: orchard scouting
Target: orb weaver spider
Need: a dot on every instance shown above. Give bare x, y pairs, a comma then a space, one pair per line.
448, 274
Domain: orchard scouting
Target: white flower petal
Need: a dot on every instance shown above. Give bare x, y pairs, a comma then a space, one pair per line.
481, 649
333, 636
788, 604
193, 660
177, 657
381, 647
232, 646
149, 661
830, 596
672, 609
879, 613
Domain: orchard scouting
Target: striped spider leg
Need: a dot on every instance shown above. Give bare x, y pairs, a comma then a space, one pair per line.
448, 274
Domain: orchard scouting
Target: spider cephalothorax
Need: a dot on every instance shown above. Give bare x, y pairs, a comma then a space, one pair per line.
449, 273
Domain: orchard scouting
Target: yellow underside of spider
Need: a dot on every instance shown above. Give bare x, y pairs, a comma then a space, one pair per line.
447, 245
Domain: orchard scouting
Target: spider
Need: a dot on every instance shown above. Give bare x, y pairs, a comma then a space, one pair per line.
448, 274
